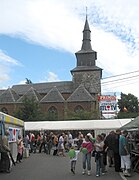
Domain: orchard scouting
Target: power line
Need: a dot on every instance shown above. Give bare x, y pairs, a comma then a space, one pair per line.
124, 81
120, 74
120, 79
121, 85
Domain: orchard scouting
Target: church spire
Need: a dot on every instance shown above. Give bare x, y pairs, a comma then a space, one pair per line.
86, 57
86, 72
86, 45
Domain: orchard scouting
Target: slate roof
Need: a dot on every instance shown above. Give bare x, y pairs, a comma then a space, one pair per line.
80, 94
63, 87
31, 93
86, 68
2, 91
9, 96
53, 96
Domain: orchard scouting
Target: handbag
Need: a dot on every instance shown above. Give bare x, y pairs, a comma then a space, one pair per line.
94, 153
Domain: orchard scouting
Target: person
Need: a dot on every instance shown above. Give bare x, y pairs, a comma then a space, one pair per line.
80, 140
5, 161
49, 142
87, 155
104, 152
99, 144
117, 158
38, 140
70, 140
73, 158
26, 141
109, 143
43, 142
125, 154
55, 144
19, 149
32, 140
61, 145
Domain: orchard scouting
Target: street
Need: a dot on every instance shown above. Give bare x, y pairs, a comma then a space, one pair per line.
48, 167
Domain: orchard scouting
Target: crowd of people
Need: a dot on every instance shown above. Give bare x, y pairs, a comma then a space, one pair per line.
46, 142
111, 150
108, 150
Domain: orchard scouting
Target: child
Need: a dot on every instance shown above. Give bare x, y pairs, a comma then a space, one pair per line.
73, 155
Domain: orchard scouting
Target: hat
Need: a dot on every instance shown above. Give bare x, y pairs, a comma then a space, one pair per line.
89, 135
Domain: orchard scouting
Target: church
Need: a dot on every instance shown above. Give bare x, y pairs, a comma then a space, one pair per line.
59, 100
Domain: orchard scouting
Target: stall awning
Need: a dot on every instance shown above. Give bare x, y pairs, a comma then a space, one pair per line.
76, 125
11, 120
132, 124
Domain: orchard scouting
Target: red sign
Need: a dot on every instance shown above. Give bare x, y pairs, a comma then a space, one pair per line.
107, 98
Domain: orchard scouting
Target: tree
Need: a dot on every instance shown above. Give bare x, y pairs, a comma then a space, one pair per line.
128, 105
80, 115
30, 110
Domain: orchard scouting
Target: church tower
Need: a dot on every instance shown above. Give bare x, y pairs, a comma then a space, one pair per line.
86, 72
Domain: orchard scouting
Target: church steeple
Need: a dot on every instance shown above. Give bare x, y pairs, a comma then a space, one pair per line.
86, 56
86, 45
86, 72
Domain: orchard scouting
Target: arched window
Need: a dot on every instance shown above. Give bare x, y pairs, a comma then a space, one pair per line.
52, 113
4, 110
78, 109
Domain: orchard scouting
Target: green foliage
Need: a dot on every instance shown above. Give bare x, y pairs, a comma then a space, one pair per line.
80, 115
51, 117
30, 110
122, 115
128, 105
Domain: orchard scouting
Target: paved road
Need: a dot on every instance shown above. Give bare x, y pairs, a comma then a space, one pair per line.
48, 167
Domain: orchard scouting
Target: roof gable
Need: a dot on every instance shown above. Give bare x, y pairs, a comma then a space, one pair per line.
31, 93
80, 94
9, 96
53, 96
44, 88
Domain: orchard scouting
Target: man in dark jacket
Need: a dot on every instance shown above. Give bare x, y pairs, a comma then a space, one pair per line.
109, 142
117, 158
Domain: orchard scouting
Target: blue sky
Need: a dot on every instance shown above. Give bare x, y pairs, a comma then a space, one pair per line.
36, 62
38, 39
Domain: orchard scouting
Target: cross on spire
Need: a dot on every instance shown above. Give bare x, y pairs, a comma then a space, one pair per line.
86, 12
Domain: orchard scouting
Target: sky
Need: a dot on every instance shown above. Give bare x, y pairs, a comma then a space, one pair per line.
39, 38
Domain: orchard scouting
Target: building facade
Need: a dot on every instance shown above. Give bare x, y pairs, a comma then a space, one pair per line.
62, 99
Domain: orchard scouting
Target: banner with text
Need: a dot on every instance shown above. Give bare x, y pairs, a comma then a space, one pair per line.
107, 104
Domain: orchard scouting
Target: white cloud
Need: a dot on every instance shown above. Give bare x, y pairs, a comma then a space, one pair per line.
22, 82
59, 24
3, 75
6, 63
4, 58
52, 77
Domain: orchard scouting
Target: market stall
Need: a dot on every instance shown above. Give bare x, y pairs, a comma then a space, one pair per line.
98, 126
15, 127
133, 129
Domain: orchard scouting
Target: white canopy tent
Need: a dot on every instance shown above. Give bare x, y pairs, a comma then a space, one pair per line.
109, 124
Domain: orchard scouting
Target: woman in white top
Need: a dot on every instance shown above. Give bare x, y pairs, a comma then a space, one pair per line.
61, 145
99, 144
